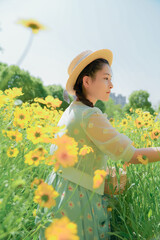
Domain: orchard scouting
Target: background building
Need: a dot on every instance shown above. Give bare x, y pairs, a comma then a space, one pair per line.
119, 99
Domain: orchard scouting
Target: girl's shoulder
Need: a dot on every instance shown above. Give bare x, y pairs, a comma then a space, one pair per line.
89, 111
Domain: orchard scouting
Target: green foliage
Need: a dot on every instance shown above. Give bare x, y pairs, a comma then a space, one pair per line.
112, 109
139, 99
13, 76
100, 104
158, 110
135, 212
2, 67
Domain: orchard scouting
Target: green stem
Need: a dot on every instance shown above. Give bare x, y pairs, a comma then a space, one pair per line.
25, 50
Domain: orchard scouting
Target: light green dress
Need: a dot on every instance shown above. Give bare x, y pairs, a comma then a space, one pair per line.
77, 199
81, 206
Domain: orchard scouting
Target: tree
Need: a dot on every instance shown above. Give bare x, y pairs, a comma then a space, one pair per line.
158, 110
110, 108
2, 67
139, 99
13, 76
101, 105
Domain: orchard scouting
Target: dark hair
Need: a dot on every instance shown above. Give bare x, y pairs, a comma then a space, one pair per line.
89, 70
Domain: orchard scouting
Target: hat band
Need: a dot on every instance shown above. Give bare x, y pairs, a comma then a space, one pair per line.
80, 60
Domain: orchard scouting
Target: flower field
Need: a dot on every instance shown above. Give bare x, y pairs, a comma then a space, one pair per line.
26, 134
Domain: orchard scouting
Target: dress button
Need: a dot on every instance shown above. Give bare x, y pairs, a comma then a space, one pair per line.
90, 125
121, 149
105, 130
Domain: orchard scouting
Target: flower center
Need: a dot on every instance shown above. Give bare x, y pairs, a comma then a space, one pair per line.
144, 157
64, 155
37, 134
11, 152
33, 26
34, 158
45, 198
21, 116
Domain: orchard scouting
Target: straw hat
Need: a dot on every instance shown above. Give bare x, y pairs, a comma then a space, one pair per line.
81, 61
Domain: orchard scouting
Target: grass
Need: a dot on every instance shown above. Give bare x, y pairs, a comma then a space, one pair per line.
135, 212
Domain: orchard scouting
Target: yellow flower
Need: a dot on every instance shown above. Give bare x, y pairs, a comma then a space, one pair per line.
41, 151
146, 114
12, 152
129, 118
14, 92
155, 134
61, 229
51, 160
36, 134
34, 212
36, 181
45, 195
146, 123
34, 25
137, 111
144, 137
52, 102
40, 100
21, 117
138, 122
46, 139
156, 113
109, 209
33, 158
98, 178
4, 132
131, 109
66, 156
19, 183
85, 149
63, 140
149, 144
14, 135
97, 181
111, 120
3, 100
143, 159
124, 122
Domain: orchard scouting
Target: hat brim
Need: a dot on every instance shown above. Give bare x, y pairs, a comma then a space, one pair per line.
103, 53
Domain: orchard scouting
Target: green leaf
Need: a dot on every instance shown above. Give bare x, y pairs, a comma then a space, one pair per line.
150, 213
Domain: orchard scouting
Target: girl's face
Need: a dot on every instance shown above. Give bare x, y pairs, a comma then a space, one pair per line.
100, 87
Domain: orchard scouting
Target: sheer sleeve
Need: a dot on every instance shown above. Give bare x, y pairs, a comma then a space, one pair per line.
98, 128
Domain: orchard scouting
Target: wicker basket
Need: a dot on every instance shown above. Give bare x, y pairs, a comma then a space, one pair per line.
112, 187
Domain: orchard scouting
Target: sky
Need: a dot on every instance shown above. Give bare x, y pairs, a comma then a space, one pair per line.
130, 29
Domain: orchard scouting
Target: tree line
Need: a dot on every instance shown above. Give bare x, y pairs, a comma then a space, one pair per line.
32, 87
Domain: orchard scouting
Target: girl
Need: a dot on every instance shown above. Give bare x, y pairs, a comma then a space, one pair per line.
90, 79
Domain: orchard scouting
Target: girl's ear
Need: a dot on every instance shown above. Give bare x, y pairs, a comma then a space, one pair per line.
87, 81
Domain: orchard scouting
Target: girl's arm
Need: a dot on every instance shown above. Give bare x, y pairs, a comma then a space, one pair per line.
152, 153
